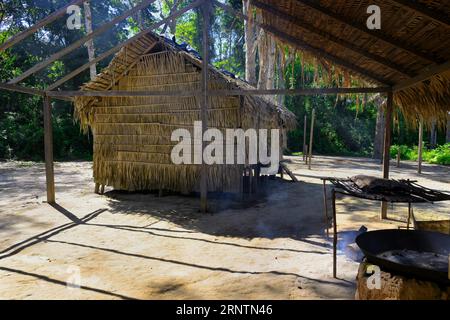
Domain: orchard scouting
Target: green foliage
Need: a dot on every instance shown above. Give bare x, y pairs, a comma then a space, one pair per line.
341, 127
439, 155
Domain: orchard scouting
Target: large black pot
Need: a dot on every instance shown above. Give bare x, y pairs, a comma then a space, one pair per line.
421, 254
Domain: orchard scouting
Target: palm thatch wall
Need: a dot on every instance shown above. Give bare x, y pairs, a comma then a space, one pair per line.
132, 135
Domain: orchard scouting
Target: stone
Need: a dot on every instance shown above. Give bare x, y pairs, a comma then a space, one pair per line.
397, 287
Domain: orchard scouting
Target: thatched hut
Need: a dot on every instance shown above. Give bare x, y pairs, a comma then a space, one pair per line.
132, 135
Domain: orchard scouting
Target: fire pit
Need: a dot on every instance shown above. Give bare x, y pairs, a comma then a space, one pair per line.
420, 254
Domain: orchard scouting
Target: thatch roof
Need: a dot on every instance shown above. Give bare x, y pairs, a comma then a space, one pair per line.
132, 134
150, 44
414, 36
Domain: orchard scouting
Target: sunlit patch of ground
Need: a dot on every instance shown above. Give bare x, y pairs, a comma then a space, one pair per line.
139, 246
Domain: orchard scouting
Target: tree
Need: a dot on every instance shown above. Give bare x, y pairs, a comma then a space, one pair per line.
250, 44
379, 129
90, 43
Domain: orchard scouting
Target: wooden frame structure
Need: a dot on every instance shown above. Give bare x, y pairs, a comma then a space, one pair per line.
385, 86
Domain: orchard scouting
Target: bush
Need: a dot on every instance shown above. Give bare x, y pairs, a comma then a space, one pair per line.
440, 155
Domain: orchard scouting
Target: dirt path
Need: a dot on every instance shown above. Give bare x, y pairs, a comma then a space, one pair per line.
140, 246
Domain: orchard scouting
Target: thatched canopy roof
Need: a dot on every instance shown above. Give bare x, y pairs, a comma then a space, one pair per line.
414, 37
152, 44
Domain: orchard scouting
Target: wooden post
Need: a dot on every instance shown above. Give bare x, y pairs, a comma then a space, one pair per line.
409, 216
204, 105
305, 148
333, 203
387, 145
325, 205
420, 147
48, 146
311, 137
398, 157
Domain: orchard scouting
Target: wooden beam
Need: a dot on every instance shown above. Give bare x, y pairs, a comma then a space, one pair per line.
231, 92
305, 46
105, 27
120, 45
121, 93
42, 23
32, 91
387, 145
21, 89
298, 91
425, 74
377, 34
325, 35
425, 11
206, 7
48, 145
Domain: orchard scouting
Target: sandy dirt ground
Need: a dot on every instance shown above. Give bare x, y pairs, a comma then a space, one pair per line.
140, 246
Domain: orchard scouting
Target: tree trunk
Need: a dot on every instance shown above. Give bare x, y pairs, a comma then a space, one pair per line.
250, 40
89, 44
433, 134
379, 130
280, 70
266, 53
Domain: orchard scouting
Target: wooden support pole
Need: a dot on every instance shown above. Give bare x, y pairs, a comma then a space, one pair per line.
325, 205
335, 236
387, 145
48, 146
398, 157
305, 149
420, 147
204, 104
311, 137
409, 215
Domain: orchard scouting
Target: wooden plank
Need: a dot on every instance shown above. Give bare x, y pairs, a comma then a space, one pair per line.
327, 36
42, 23
425, 74
377, 34
425, 11
387, 145
105, 27
48, 145
295, 42
204, 103
288, 171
